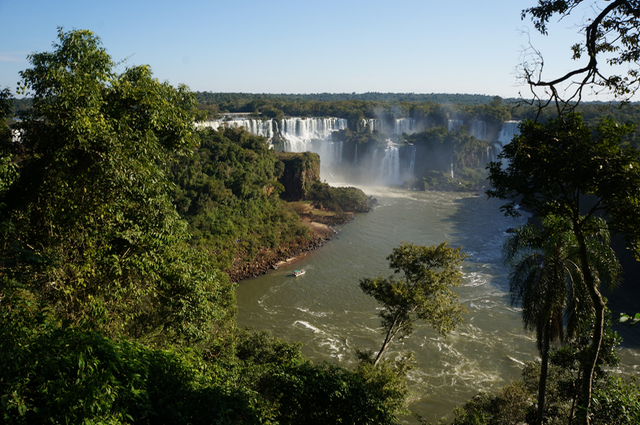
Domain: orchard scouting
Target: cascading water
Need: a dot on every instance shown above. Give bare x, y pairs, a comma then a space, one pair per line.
299, 133
478, 130
330, 153
374, 124
508, 131
253, 126
400, 126
389, 165
386, 164
411, 153
454, 125
404, 126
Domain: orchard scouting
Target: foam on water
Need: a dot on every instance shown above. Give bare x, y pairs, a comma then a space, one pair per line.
329, 313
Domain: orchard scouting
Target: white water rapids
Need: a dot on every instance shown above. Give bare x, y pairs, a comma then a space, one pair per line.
326, 310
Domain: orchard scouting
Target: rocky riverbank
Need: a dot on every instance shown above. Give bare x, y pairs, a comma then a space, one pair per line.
322, 226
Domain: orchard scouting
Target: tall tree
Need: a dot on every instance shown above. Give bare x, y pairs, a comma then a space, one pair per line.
6, 164
611, 37
92, 198
547, 282
423, 292
565, 168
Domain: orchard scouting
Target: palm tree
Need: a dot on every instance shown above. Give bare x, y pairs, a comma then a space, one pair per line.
547, 281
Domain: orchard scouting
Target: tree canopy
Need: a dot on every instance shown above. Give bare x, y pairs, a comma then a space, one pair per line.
610, 47
423, 291
92, 199
567, 169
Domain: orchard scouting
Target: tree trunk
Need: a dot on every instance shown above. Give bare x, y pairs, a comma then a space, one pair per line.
391, 333
589, 366
544, 369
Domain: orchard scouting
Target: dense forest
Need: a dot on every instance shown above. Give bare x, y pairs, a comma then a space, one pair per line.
117, 218
121, 224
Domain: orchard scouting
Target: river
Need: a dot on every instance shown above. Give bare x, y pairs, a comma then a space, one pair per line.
326, 310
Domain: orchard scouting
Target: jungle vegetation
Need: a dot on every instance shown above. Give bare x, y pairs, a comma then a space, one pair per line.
117, 219
115, 213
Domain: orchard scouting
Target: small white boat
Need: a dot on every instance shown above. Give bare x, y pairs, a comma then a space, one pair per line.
297, 273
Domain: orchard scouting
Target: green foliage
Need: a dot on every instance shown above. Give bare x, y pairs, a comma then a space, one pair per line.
51, 373
237, 99
627, 318
228, 193
422, 293
323, 394
546, 280
95, 260
6, 111
439, 150
616, 402
299, 172
509, 406
92, 197
292, 390
350, 199
262, 347
552, 167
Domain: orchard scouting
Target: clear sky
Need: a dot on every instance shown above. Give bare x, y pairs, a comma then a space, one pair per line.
283, 46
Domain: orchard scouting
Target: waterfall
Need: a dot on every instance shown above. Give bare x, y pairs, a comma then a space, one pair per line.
299, 133
330, 153
355, 156
508, 131
390, 165
404, 125
412, 160
478, 130
374, 124
400, 126
386, 164
454, 125
253, 126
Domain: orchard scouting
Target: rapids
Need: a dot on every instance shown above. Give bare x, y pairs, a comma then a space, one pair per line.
326, 310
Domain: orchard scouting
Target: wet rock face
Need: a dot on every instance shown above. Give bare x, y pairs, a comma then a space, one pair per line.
300, 171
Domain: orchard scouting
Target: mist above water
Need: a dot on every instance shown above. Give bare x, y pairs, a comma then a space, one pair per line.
386, 163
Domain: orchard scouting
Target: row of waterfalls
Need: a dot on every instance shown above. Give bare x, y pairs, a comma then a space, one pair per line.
390, 164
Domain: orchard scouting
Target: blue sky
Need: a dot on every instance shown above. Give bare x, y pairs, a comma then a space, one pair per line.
282, 46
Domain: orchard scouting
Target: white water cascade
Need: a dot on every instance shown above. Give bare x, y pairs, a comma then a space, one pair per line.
299, 133
478, 130
404, 125
386, 164
454, 125
508, 131
253, 126
374, 124
400, 126
412, 159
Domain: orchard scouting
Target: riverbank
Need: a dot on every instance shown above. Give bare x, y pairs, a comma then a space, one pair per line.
321, 225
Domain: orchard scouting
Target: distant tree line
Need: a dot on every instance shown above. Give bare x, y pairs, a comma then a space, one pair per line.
116, 217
